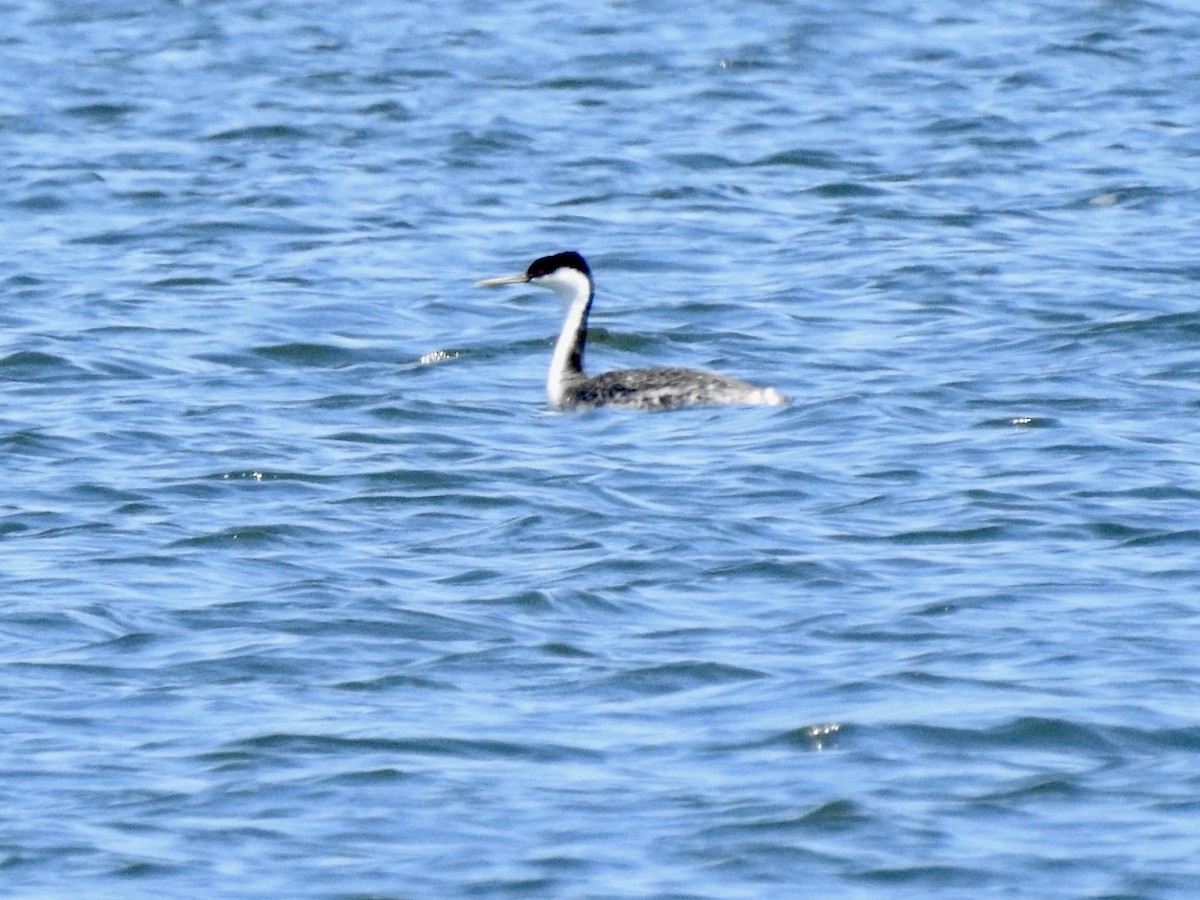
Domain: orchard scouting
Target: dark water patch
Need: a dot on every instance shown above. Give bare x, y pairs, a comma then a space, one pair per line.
908, 635
1183, 325
927, 877
617, 58
964, 219
1036, 789
390, 110
702, 162
133, 642
185, 283
37, 443
835, 814
1099, 449
148, 870
468, 145
530, 601
1059, 403
1185, 537
97, 672
19, 282
394, 682
565, 651
40, 202
1093, 44
800, 158
672, 678
72, 528
1146, 492
976, 535
308, 354
1132, 196
101, 113
129, 370
148, 197
584, 200
938, 608
268, 476
846, 190
36, 522
142, 560
899, 475
691, 198
993, 144
599, 85
251, 537
36, 366
1020, 422
733, 94
358, 437
967, 125
1025, 733
261, 134
346, 401
823, 736
249, 663
455, 748
260, 200
933, 680
9, 527
234, 360
1118, 531
381, 777
795, 571
442, 481
113, 237
143, 331
831, 817
259, 223
1183, 738
397, 625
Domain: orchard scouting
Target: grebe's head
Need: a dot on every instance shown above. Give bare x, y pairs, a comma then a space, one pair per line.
567, 274
548, 265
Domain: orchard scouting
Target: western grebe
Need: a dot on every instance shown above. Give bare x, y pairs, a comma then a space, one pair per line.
568, 275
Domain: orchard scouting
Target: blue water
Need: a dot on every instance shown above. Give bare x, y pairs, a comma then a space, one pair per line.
307, 593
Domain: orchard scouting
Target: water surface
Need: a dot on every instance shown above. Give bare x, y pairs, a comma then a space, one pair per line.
307, 593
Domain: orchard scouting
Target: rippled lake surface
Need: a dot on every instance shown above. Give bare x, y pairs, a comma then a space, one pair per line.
307, 593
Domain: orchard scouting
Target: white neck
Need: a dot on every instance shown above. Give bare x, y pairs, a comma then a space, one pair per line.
567, 363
